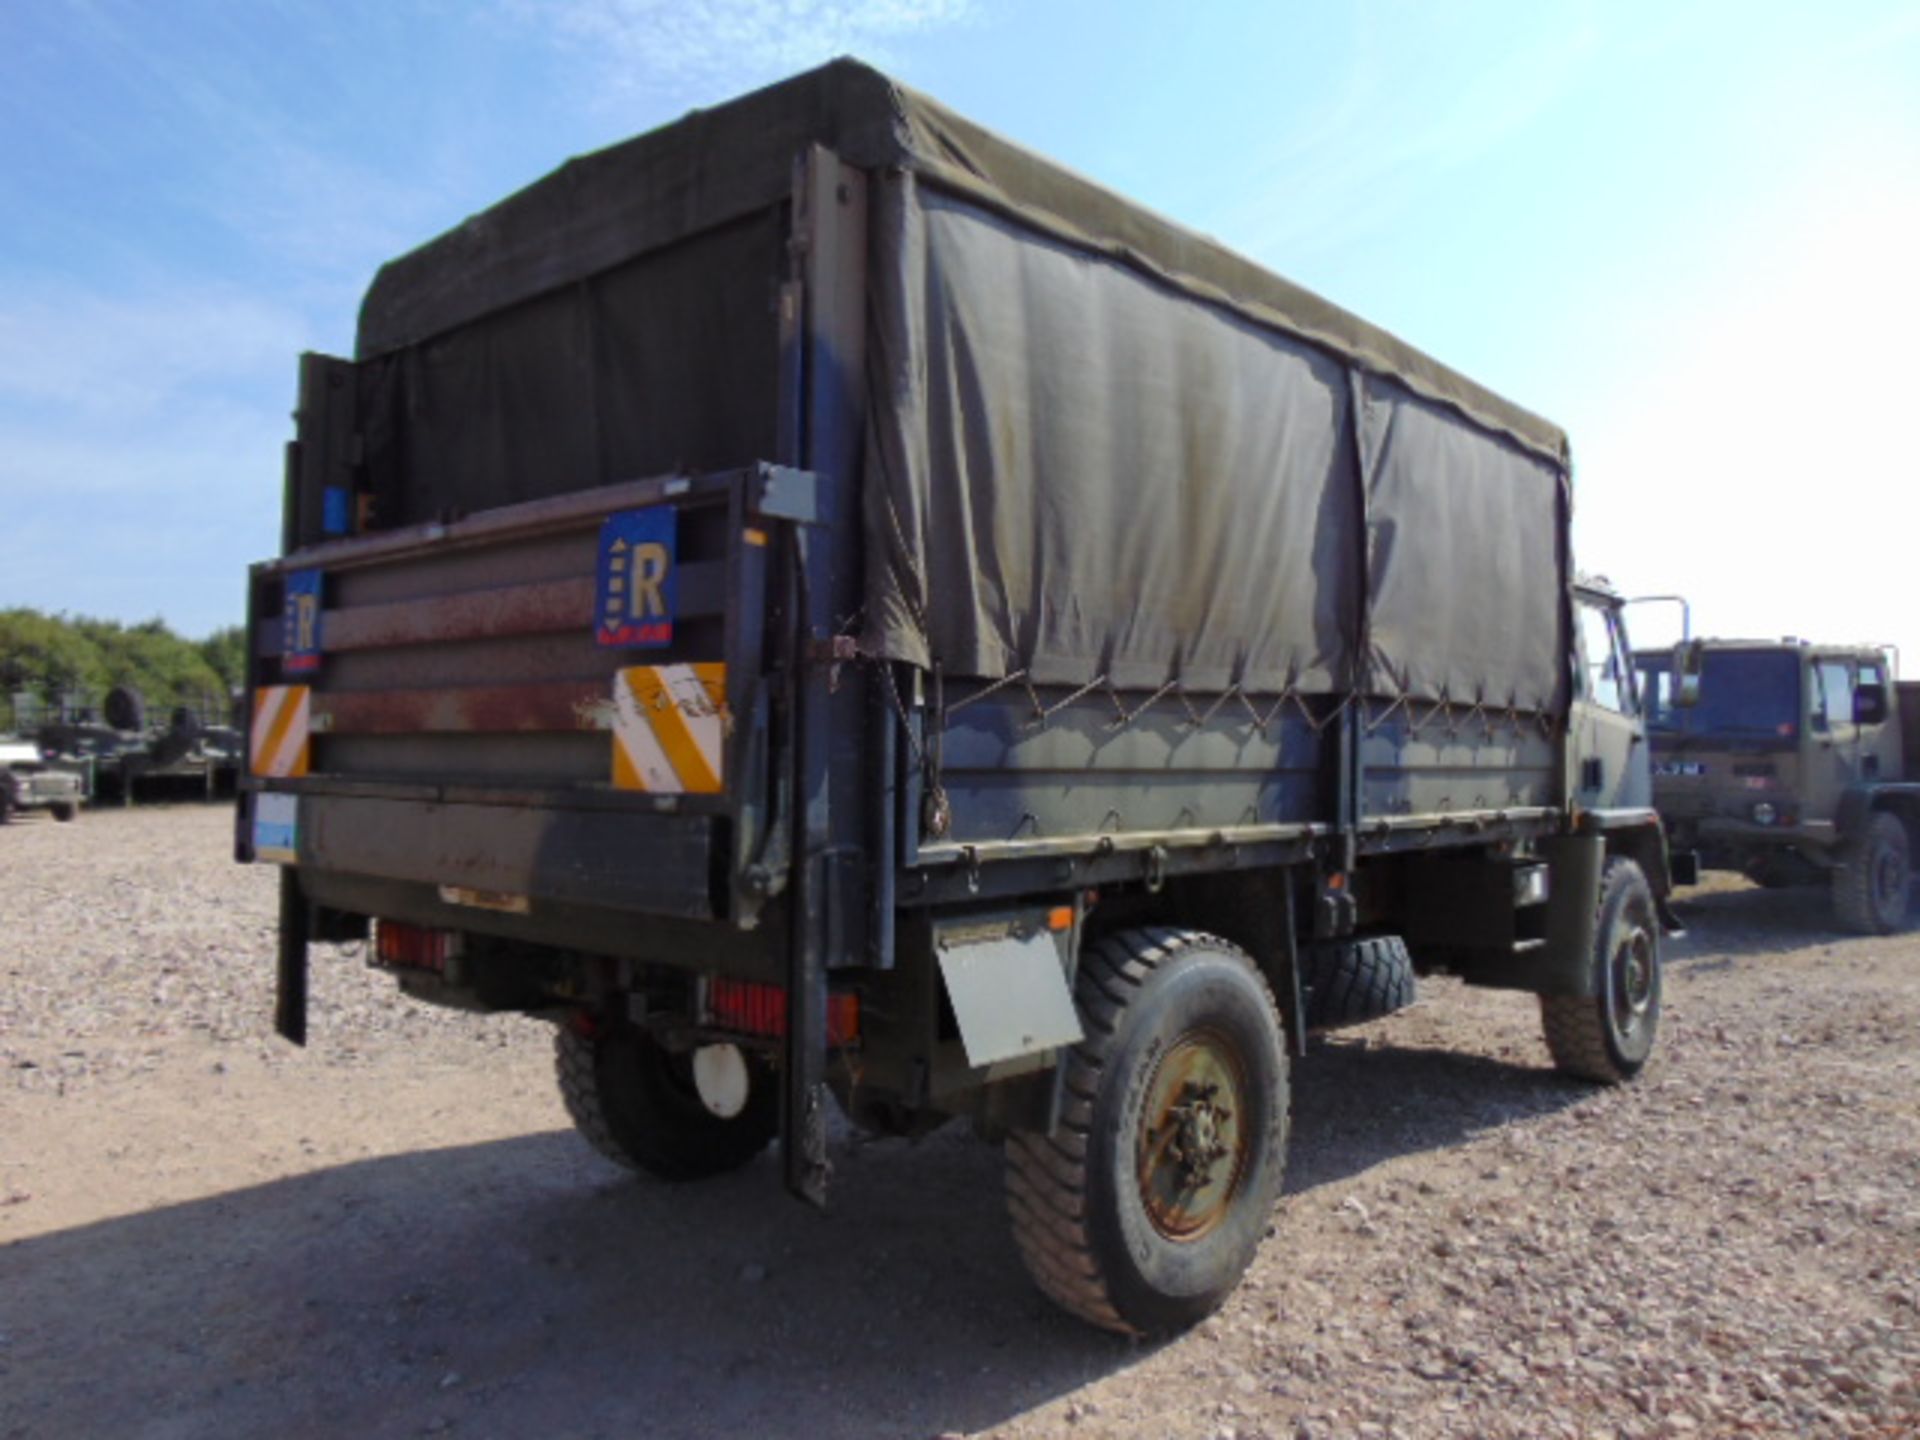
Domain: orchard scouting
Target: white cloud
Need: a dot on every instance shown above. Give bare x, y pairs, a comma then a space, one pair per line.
726, 43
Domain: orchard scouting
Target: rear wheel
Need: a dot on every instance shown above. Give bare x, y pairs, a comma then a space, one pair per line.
1872, 885
1143, 1210
1607, 1036
675, 1116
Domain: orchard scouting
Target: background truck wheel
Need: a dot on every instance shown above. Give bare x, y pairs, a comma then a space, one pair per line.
65, 811
1872, 886
639, 1105
1607, 1036
1348, 981
1143, 1210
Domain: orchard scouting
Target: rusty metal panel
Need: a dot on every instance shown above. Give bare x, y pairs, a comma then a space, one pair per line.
501, 610
507, 660
495, 709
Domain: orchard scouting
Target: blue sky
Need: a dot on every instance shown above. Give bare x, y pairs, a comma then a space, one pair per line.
1687, 233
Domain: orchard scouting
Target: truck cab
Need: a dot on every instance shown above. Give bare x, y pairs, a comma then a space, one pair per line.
1785, 760
1609, 750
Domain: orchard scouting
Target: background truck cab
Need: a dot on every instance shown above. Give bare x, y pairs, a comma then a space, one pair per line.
1790, 762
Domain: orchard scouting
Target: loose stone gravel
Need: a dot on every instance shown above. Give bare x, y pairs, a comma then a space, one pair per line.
205, 1231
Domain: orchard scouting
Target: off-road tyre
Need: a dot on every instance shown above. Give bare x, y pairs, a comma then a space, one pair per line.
1346, 982
1167, 1013
1606, 1037
65, 811
1874, 881
635, 1102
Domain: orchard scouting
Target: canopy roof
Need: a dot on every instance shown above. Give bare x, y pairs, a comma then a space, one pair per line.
715, 166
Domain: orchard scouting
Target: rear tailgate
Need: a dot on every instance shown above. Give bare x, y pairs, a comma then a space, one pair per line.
556, 702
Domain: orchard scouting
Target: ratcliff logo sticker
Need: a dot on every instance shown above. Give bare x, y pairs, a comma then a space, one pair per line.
635, 579
300, 623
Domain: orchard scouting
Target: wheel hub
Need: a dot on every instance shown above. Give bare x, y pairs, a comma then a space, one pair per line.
1632, 982
1192, 1149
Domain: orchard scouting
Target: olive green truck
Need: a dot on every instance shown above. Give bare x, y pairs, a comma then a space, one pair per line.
1793, 763
827, 606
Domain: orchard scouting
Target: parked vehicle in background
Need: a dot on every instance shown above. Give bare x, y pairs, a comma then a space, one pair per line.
125, 757
1792, 763
28, 782
819, 600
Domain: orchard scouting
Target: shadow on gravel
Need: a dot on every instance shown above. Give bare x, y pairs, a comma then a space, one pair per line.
522, 1288
1357, 1104
1747, 920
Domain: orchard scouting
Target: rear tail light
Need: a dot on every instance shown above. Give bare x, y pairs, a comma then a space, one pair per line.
751, 1009
412, 947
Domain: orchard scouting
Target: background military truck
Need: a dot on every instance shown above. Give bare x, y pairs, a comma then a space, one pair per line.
818, 600
1792, 763
28, 781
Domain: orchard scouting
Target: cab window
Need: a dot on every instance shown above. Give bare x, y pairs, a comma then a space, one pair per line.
1605, 677
1832, 694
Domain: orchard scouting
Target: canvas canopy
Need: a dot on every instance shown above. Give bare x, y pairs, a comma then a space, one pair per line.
1099, 445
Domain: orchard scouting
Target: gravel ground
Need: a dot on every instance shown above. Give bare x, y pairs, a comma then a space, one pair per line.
203, 1231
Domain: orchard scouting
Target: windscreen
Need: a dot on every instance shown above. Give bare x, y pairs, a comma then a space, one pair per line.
1744, 695
1656, 691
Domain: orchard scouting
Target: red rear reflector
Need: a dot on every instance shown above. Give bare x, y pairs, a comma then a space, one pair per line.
843, 1018
754, 1009
410, 947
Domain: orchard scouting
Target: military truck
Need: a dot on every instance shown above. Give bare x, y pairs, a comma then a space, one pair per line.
28, 782
1792, 763
819, 601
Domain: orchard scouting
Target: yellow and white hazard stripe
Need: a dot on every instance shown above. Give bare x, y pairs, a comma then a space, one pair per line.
669, 728
282, 726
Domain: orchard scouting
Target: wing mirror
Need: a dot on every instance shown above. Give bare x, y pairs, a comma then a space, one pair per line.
1869, 703
1686, 674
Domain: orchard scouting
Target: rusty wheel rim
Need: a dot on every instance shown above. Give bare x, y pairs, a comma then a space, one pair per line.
1192, 1145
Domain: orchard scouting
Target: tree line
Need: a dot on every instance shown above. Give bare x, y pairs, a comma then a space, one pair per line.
54, 659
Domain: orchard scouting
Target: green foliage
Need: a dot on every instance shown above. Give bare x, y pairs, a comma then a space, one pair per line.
225, 652
55, 656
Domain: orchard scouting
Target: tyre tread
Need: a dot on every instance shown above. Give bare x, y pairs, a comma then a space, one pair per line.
1348, 982
573, 1066
1046, 1182
1853, 898
1574, 1026
1046, 1175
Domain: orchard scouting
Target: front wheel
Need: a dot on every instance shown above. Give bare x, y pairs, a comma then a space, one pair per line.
66, 810
1143, 1209
1871, 887
1608, 1035
675, 1116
